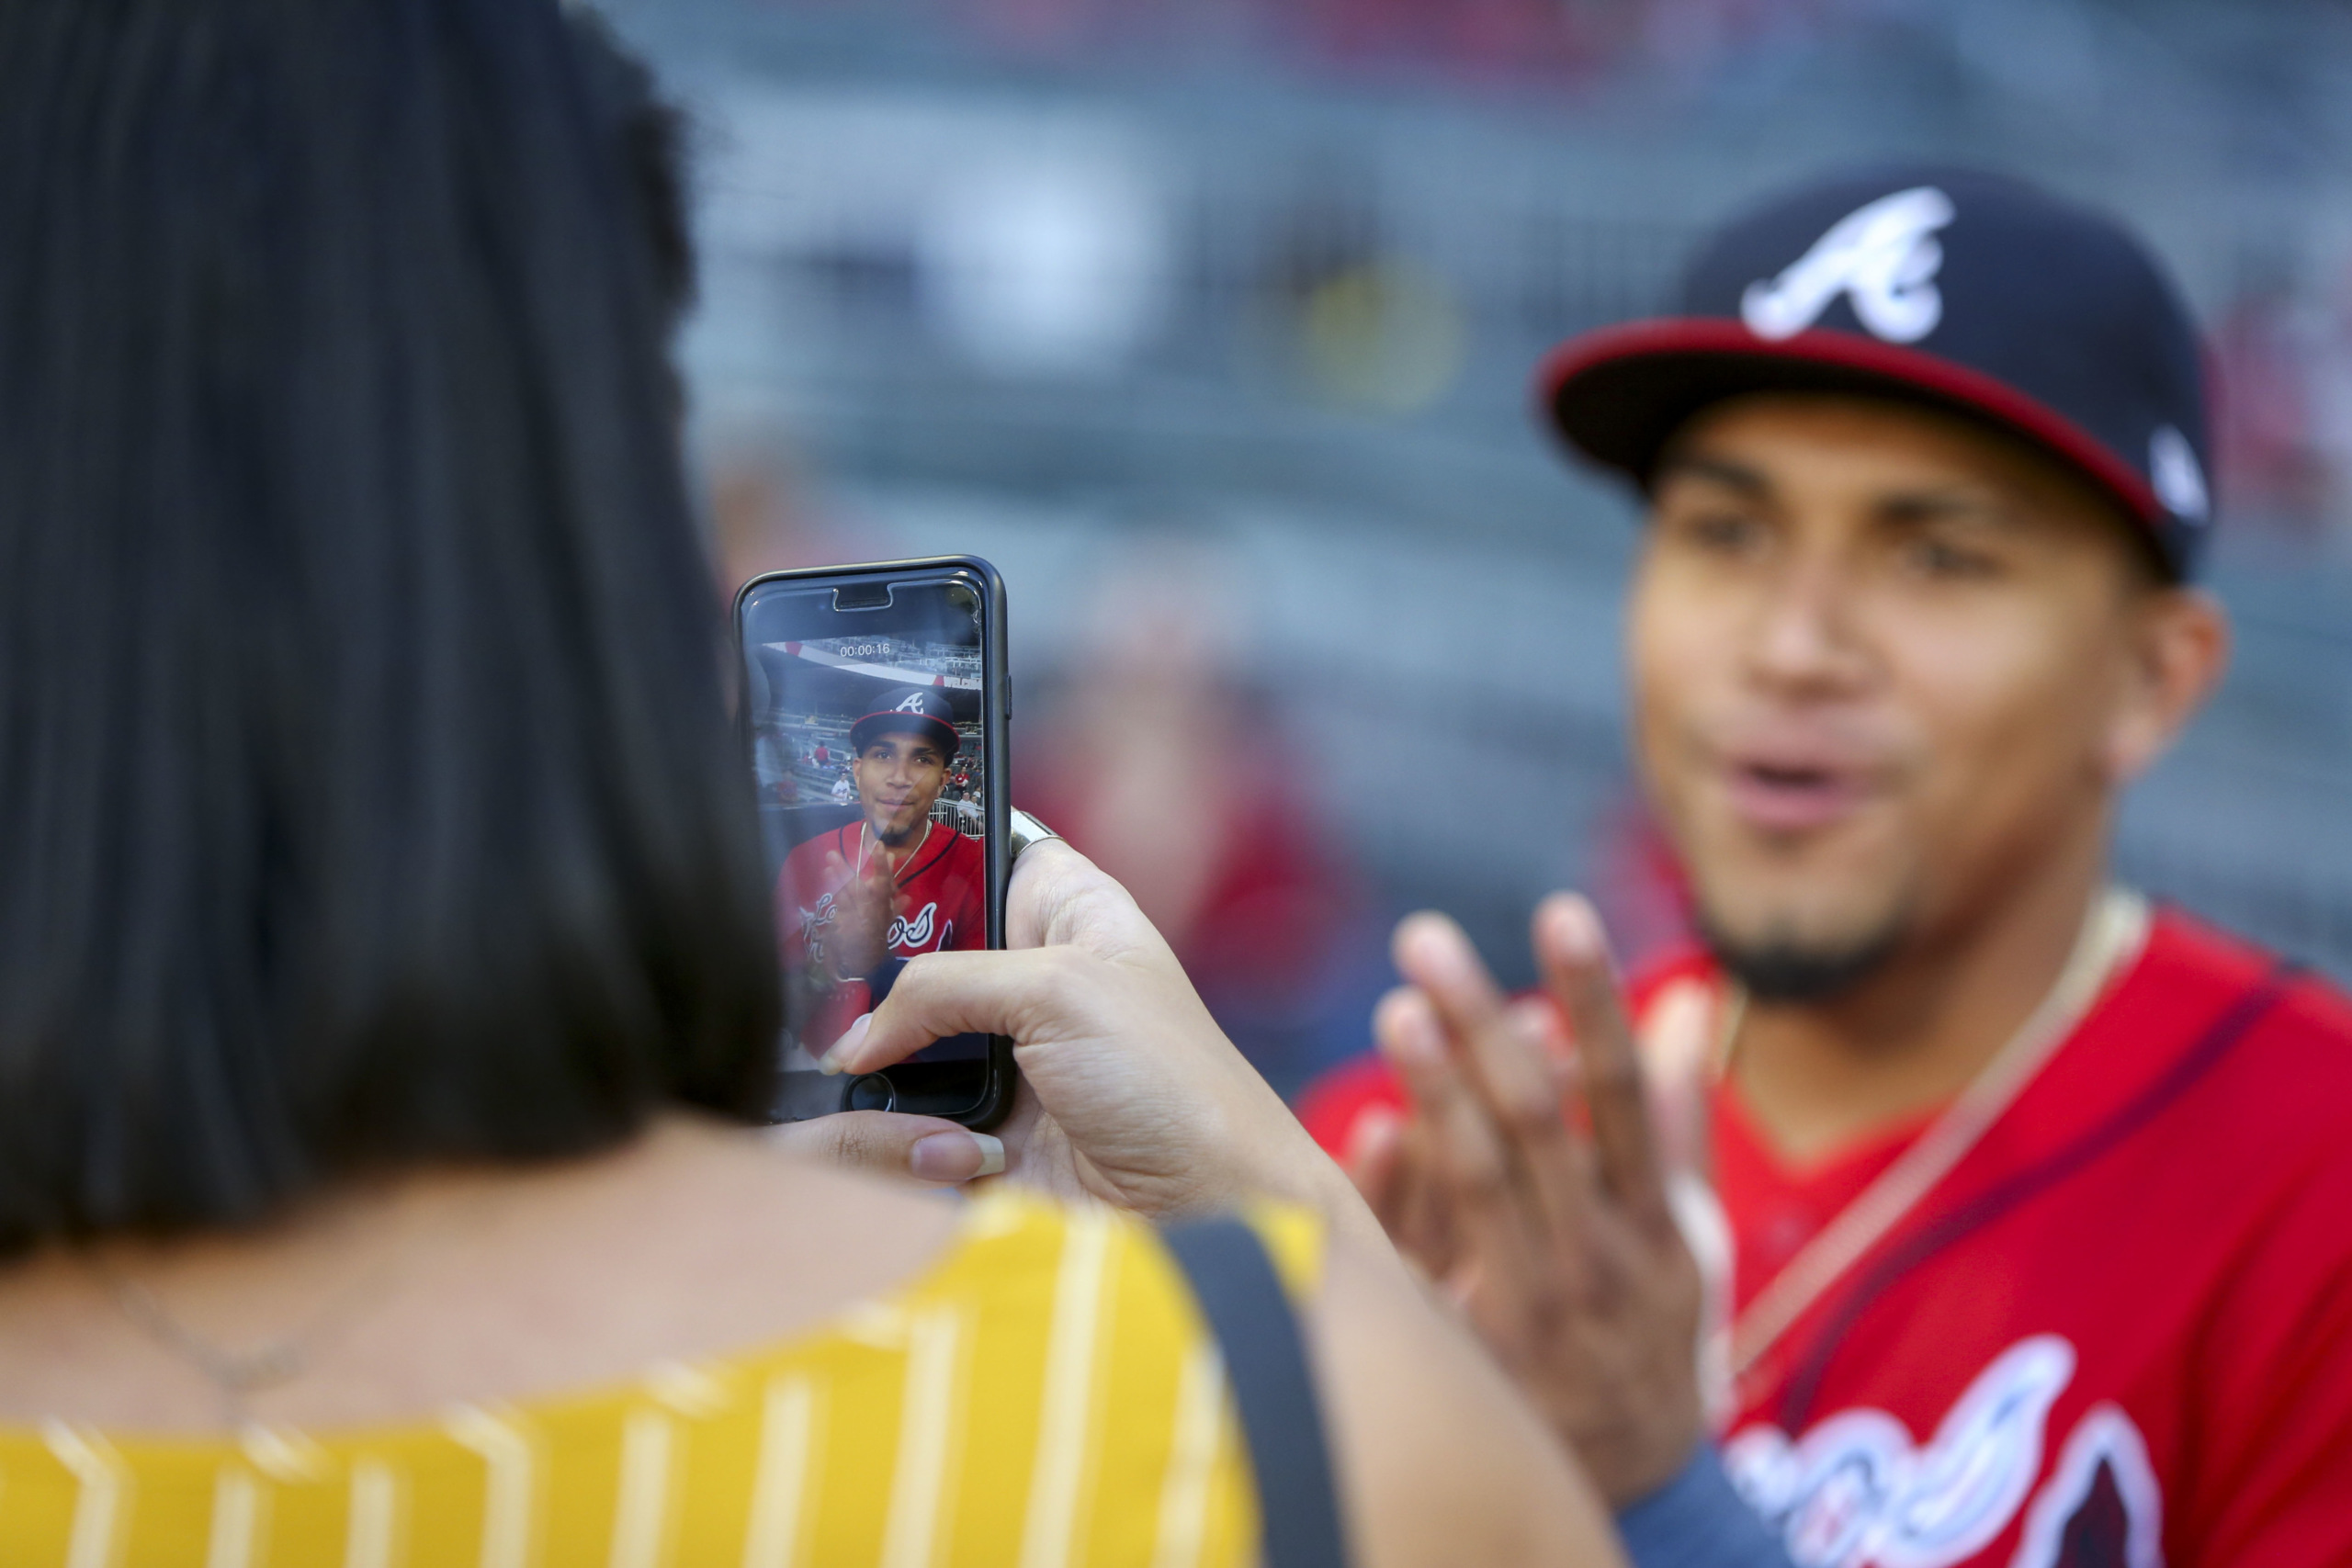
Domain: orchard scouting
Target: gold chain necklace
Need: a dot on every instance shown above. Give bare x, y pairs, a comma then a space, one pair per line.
864, 855
237, 1374
2113, 931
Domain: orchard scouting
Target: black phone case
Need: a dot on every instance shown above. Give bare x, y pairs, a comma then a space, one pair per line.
994, 1095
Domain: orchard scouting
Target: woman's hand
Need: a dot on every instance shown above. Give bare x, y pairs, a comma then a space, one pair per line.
884, 1143
1130, 1094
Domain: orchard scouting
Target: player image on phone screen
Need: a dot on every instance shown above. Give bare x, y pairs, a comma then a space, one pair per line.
854, 902
874, 723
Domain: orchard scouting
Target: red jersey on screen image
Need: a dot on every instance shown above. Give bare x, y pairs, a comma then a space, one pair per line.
2118, 1333
941, 906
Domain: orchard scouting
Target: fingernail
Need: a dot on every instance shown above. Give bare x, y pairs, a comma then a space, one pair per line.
1438, 942
837, 1059
1410, 1030
1576, 930
955, 1156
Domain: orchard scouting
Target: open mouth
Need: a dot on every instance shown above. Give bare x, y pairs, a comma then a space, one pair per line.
1786, 795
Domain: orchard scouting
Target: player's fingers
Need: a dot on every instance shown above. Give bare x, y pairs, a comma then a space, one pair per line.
1427, 1230
1486, 1211
1558, 1164
1434, 957
1388, 1161
1572, 952
1376, 1163
1507, 1065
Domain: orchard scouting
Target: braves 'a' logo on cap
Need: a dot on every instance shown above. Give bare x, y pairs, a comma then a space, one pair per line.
911, 702
1884, 257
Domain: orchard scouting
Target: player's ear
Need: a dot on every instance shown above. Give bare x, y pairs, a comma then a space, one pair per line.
2178, 652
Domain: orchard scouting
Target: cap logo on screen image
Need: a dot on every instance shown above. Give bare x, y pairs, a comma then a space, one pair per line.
1883, 256
913, 702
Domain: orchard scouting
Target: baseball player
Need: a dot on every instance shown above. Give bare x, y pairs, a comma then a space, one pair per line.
2034, 1244
854, 903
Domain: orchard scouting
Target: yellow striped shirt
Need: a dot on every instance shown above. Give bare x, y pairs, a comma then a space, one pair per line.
1041, 1397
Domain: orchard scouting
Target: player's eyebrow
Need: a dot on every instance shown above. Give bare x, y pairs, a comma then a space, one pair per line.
1961, 503
1729, 472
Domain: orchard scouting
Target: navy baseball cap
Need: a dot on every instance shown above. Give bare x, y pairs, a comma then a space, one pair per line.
1968, 291
910, 710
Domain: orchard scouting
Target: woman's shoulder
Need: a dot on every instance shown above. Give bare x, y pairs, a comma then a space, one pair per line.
1030, 1277
1044, 1375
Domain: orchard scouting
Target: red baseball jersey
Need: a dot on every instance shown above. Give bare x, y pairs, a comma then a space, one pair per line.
2118, 1332
941, 906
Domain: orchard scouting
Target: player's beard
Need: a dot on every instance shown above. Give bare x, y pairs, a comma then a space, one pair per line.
899, 839
1778, 965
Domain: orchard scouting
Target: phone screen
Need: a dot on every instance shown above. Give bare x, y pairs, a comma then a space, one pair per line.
867, 700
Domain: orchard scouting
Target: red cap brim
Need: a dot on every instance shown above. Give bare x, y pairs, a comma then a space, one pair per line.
1618, 394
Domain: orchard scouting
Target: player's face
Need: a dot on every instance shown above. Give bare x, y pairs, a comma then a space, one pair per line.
897, 782
1886, 668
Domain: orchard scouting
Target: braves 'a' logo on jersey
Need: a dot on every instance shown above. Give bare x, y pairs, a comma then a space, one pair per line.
1855, 1490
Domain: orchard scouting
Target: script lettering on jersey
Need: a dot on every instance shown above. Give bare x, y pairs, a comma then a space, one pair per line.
1856, 1491
914, 930
815, 918
1884, 257
2102, 1507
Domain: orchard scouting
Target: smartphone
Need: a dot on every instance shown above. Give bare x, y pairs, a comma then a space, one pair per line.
875, 714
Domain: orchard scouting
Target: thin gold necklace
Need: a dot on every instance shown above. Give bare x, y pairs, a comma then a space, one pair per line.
864, 855
2113, 931
238, 1374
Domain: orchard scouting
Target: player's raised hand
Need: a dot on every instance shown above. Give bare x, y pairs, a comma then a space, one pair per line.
864, 903
1129, 1093
1530, 1184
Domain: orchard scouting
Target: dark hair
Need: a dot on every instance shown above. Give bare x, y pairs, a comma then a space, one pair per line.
366, 793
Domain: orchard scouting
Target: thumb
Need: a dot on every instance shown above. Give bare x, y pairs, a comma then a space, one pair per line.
881, 1143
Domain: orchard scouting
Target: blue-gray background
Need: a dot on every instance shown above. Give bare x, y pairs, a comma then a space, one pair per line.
1212, 324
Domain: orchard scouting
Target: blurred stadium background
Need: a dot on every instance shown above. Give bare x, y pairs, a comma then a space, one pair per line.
1211, 322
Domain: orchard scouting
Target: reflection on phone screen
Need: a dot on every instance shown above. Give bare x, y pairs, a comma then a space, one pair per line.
866, 735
